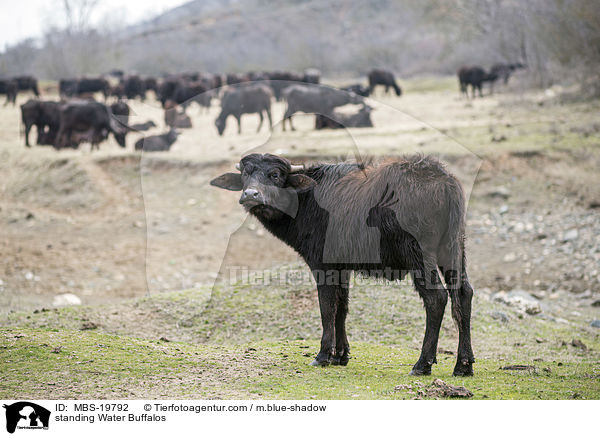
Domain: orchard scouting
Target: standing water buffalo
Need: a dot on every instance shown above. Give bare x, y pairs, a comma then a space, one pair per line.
88, 121
475, 77
315, 99
401, 217
245, 99
385, 78
503, 71
45, 115
10, 88
27, 83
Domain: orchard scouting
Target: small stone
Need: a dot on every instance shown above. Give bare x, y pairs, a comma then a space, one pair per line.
503, 209
89, 325
500, 316
595, 323
570, 235
509, 257
66, 300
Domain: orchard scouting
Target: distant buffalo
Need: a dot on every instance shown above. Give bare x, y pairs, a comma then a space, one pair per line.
157, 142
315, 99
341, 121
83, 86
385, 78
10, 88
45, 115
134, 86
142, 127
27, 83
87, 121
474, 77
245, 99
504, 71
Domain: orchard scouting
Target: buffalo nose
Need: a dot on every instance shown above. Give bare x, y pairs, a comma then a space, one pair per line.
250, 194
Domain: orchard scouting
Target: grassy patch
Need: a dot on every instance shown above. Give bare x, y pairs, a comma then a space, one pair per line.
245, 341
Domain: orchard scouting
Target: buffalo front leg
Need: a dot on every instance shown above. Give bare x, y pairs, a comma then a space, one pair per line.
342, 347
270, 119
239, 121
327, 305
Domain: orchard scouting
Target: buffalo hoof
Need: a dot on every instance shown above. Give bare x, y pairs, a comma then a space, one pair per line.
463, 369
420, 371
317, 363
341, 360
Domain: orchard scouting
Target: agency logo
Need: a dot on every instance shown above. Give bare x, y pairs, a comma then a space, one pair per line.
26, 415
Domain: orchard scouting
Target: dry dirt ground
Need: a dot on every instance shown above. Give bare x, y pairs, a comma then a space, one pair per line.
116, 224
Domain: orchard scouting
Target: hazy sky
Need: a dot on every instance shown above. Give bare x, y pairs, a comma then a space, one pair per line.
21, 19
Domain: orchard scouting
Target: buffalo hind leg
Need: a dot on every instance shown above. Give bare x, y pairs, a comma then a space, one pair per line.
465, 357
268, 110
342, 347
434, 297
260, 123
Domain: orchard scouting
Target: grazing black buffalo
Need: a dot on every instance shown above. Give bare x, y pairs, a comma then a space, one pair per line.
157, 142
166, 89
90, 85
27, 83
358, 89
504, 71
10, 88
339, 120
187, 93
45, 115
68, 87
245, 99
87, 121
385, 78
133, 86
475, 77
400, 217
142, 127
315, 99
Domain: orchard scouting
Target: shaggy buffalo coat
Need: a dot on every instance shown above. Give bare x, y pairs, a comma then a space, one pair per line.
401, 217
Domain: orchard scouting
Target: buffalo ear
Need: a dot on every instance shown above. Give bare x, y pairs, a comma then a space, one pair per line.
300, 182
230, 181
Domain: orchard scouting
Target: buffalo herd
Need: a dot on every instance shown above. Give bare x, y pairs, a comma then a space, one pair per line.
77, 117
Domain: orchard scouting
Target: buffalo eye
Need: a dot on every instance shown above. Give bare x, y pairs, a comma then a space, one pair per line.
274, 176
